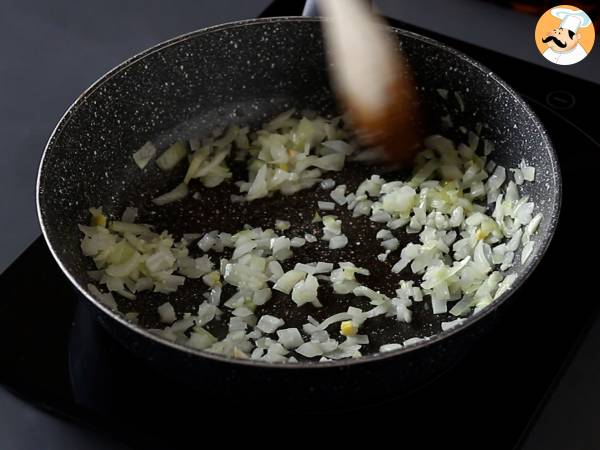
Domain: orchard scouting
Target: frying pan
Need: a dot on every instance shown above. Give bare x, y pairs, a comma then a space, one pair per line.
244, 73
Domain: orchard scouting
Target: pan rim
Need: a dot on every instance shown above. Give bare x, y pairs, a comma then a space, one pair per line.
373, 357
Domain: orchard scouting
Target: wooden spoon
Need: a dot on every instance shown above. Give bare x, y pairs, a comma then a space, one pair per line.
372, 79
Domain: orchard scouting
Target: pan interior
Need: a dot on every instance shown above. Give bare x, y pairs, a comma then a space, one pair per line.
245, 75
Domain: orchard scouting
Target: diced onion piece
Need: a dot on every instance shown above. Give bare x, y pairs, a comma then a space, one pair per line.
268, 324
280, 248
143, 156
178, 193
275, 270
201, 339
390, 244
282, 225
400, 201
198, 158
297, 242
339, 146
159, 261
518, 176
443, 93
528, 171
328, 183
390, 347
243, 249
259, 187
497, 179
526, 252
331, 227
290, 338
133, 228
337, 242
459, 101
129, 215
375, 297
384, 234
167, 313
323, 267
326, 206
413, 341
125, 268
98, 217
306, 291
261, 296
106, 299
310, 237
288, 280
338, 195
451, 324
505, 285
310, 350
532, 227
280, 120
172, 156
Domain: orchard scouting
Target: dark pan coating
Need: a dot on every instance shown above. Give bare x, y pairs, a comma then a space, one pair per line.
245, 73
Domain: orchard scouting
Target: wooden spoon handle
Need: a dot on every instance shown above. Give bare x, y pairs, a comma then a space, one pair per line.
372, 79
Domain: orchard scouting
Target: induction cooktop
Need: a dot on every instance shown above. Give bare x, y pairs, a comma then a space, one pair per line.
57, 356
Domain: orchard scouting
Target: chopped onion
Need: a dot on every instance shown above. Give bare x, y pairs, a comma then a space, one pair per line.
338, 195
268, 324
288, 280
413, 341
167, 313
527, 171
261, 296
339, 146
459, 100
532, 227
390, 244
259, 188
172, 156
451, 324
129, 215
275, 271
384, 234
526, 252
310, 350
458, 251
178, 193
282, 225
518, 176
326, 206
297, 242
497, 179
106, 299
208, 241
290, 338
443, 93
143, 156
310, 237
505, 284
390, 347
280, 248
337, 242
328, 183
306, 291
201, 339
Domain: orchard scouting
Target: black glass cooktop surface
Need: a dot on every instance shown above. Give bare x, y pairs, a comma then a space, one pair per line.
56, 355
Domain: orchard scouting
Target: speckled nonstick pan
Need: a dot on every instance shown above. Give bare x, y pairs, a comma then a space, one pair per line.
246, 72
